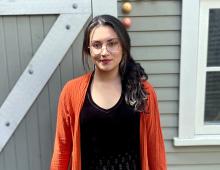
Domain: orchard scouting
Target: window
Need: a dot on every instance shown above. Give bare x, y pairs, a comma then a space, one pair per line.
208, 82
199, 119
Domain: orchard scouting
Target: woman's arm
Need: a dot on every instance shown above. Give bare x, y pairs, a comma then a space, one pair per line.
63, 139
155, 142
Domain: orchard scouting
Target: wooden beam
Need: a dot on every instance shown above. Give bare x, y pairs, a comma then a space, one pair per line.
33, 7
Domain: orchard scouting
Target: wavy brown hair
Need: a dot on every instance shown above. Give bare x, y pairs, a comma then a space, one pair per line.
132, 73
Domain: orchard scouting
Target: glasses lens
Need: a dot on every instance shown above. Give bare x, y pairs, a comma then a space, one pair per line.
112, 45
96, 47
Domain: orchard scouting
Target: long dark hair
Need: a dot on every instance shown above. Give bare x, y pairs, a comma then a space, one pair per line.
132, 74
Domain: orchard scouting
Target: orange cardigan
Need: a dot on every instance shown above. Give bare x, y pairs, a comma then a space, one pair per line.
67, 139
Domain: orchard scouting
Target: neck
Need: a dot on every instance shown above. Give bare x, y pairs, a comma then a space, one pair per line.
107, 76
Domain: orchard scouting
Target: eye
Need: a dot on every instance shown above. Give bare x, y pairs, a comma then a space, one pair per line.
113, 43
97, 45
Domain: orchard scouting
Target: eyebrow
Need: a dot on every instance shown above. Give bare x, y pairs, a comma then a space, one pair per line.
105, 40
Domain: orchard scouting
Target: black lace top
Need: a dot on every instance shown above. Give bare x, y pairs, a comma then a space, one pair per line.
109, 137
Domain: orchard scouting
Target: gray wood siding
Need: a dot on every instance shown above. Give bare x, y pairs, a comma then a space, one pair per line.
155, 35
31, 145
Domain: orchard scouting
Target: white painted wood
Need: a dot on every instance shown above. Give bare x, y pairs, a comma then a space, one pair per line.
189, 46
198, 140
192, 77
201, 127
31, 7
104, 7
212, 69
38, 72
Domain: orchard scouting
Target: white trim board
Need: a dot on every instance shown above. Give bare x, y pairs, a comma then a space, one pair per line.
190, 79
33, 7
189, 47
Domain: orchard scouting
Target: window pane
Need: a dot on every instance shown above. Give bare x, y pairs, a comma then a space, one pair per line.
214, 38
212, 98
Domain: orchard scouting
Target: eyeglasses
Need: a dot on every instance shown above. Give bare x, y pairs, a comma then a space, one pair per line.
111, 45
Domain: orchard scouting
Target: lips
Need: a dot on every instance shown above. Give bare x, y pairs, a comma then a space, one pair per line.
105, 61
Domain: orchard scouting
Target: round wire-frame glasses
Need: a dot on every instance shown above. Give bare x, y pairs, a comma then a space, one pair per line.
112, 45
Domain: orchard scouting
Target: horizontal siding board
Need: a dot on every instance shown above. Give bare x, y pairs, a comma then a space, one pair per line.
167, 107
170, 148
167, 94
194, 167
169, 132
188, 158
161, 67
156, 23
152, 8
169, 120
156, 52
164, 80
155, 38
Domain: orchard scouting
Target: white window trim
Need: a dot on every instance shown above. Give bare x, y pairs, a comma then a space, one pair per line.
202, 128
188, 123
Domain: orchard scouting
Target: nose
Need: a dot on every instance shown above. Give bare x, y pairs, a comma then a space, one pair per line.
104, 50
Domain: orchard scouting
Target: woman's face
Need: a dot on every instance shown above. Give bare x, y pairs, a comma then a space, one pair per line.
105, 49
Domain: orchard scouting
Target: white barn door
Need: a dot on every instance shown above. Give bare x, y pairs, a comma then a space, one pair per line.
72, 15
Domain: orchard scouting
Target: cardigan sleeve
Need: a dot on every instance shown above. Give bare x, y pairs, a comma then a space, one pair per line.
155, 143
63, 140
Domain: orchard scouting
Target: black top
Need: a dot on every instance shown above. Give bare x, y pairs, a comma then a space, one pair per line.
109, 137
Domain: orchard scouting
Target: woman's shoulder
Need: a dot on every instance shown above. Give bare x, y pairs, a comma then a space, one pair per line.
76, 83
148, 86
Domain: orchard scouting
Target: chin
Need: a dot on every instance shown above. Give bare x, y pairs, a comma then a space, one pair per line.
105, 68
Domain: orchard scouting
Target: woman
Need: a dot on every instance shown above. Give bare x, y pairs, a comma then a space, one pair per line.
108, 119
